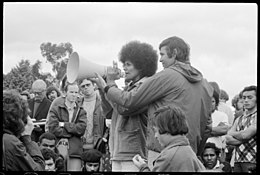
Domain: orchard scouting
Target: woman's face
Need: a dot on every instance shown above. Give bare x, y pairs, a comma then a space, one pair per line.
131, 73
53, 95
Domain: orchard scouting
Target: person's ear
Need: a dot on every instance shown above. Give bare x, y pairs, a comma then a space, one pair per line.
174, 53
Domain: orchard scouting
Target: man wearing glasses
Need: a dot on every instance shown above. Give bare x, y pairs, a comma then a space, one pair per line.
39, 106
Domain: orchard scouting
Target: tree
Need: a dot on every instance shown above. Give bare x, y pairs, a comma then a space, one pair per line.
58, 56
22, 76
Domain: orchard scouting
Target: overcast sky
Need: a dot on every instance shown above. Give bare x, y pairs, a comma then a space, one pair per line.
222, 36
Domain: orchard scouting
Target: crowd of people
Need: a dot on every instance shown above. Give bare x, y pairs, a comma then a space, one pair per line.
170, 121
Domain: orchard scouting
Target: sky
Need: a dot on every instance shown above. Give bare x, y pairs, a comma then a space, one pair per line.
222, 36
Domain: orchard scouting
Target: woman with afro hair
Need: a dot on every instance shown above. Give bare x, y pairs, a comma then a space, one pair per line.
128, 130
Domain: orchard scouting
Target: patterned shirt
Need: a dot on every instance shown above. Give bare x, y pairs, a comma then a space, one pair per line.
246, 152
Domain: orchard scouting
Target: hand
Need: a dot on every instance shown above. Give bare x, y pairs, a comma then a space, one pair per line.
100, 82
28, 128
113, 73
138, 161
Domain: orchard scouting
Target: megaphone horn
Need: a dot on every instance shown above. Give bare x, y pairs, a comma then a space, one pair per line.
78, 68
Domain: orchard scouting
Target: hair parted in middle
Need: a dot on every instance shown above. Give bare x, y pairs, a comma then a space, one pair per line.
171, 119
142, 55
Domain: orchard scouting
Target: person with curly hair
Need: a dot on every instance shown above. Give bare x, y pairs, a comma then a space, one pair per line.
128, 130
20, 153
53, 162
179, 83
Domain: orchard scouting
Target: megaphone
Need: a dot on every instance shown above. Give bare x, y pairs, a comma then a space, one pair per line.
78, 68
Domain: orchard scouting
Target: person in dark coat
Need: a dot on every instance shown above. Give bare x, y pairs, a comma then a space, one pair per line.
39, 106
67, 121
20, 153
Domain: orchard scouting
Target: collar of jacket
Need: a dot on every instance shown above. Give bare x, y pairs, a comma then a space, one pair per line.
135, 84
62, 105
189, 72
177, 140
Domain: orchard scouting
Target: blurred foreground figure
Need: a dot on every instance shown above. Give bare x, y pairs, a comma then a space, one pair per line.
20, 153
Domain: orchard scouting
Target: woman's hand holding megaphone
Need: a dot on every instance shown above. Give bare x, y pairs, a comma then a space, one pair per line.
100, 82
113, 73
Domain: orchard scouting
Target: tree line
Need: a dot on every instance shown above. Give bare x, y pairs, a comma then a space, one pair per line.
22, 76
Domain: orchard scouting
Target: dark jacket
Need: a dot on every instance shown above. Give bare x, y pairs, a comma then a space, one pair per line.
42, 110
71, 130
23, 154
41, 113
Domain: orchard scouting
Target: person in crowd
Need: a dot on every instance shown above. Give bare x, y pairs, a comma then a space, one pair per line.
171, 127
50, 159
243, 132
237, 103
52, 92
39, 106
26, 95
96, 127
91, 160
223, 107
20, 153
48, 140
220, 125
67, 121
211, 159
179, 83
129, 128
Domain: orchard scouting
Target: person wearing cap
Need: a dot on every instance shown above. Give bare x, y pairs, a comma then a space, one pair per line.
91, 160
39, 106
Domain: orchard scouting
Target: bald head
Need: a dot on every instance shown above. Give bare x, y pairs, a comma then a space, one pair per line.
39, 85
39, 88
